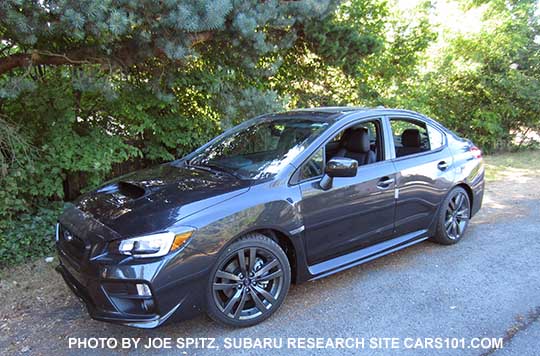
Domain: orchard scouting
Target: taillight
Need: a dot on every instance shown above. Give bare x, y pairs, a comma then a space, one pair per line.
476, 152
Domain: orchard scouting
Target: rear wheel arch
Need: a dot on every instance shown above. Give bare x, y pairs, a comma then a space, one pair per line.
468, 189
453, 216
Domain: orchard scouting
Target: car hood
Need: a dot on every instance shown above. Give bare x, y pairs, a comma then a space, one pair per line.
154, 199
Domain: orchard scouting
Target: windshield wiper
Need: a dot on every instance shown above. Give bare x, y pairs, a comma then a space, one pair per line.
217, 167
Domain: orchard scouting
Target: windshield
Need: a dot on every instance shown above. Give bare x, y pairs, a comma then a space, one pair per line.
261, 149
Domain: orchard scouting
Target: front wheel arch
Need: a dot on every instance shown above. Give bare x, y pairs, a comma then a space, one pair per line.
274, 257
280, 237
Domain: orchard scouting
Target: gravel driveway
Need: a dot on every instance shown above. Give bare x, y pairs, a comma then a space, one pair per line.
486, 286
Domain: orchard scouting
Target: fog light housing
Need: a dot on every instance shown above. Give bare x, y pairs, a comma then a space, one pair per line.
143, 290
130, 297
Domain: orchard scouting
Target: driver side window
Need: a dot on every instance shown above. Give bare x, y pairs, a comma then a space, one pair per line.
361, 142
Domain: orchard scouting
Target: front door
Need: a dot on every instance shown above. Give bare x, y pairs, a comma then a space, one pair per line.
355, 212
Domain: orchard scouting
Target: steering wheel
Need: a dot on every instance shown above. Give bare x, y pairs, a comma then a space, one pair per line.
313, 168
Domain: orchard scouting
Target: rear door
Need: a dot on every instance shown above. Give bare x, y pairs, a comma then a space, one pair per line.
356, 212
424, 172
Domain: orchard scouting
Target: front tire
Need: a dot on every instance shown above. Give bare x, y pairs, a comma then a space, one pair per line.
453, 217
249, 281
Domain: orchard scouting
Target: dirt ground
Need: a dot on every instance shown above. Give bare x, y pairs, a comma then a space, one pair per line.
38, 312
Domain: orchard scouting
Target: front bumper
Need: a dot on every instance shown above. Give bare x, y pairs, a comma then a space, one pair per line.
179, 300
174, 285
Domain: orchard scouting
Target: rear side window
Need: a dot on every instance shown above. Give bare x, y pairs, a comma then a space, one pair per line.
410, 137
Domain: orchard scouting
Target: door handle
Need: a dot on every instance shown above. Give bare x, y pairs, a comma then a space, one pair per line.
443, 166
385, 182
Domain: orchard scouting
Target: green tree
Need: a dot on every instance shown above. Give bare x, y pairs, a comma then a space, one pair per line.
485, 85
382, 52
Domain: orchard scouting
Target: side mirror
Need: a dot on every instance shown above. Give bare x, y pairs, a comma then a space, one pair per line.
338, 167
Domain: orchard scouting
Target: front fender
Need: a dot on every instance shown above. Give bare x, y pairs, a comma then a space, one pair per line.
271, 205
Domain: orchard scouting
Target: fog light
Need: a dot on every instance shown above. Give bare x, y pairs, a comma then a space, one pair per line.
143, 290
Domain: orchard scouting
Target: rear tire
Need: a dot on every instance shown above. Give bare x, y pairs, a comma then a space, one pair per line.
453, 218
249, 281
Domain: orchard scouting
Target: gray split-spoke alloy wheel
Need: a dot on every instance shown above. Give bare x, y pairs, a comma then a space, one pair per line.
249, 281
454, 217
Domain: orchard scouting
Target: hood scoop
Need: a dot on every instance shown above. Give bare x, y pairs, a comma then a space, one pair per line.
130, 190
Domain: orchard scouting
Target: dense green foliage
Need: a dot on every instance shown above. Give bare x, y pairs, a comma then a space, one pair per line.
89, 86
487, 85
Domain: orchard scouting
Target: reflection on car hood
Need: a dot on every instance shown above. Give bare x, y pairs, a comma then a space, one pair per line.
156, 198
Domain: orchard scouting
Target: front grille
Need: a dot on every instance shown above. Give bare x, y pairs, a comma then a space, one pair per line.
72, 246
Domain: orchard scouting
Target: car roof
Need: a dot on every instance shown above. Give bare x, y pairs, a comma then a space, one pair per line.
333, 110
340, 112
336, 113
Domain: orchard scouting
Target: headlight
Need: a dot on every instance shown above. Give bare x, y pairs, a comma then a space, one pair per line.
154, 245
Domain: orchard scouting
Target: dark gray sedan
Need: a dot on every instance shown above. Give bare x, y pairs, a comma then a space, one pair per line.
281, 198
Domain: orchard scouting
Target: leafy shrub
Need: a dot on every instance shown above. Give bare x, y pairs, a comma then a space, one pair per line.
29, 235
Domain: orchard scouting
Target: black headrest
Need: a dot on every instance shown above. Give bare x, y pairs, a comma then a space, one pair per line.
411, 138
358, 141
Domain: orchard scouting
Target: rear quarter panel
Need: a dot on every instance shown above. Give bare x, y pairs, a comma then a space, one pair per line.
469, 169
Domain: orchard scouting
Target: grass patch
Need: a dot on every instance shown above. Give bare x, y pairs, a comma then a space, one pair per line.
527, 161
